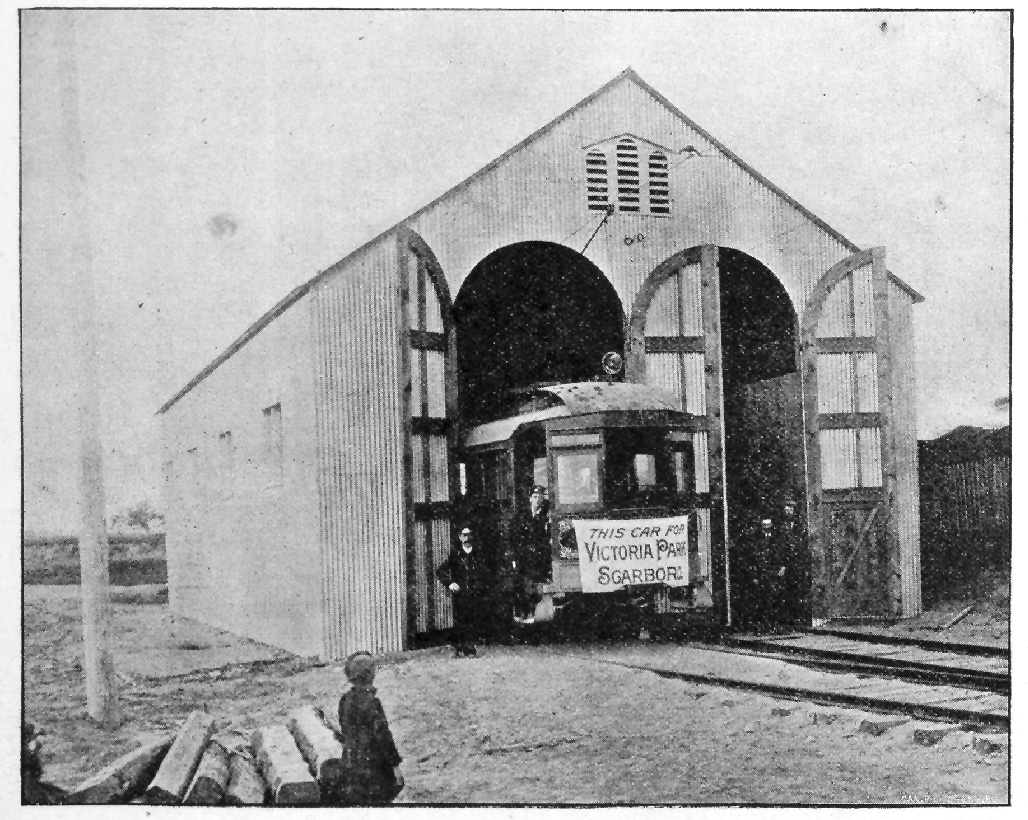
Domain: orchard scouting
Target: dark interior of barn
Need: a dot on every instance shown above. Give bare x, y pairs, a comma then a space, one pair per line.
534, 312
764, 475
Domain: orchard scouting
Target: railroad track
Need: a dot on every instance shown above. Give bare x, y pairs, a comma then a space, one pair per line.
956, 687
982, 668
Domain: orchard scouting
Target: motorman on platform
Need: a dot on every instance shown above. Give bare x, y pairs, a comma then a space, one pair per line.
532, 563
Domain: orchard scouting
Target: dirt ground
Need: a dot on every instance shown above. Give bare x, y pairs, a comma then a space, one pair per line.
516, 726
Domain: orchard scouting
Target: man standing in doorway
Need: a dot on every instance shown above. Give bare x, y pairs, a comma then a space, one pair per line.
461, 574
532, 561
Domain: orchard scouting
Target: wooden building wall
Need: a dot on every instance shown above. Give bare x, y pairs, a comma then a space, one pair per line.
242, 531
356, 319
538, 192
337, 536
907, 482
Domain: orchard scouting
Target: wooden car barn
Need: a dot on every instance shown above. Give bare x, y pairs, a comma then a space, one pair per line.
312, 469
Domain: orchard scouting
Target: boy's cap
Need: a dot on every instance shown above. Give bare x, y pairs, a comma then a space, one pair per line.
359, 667
538, 488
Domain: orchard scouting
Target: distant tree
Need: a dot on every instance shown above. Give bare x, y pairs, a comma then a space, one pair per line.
140, 515
1002, 403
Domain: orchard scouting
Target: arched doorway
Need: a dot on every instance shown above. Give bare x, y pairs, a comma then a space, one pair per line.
528, 313
764, 452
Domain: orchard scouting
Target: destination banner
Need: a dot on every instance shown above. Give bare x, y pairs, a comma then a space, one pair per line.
616, 554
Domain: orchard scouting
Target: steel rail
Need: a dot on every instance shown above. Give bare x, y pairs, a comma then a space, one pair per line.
857, 662
924, 711
981, 650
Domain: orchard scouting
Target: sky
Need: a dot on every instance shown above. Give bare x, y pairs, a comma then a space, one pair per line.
227, 156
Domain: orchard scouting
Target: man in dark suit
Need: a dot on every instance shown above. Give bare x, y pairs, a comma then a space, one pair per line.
462, 575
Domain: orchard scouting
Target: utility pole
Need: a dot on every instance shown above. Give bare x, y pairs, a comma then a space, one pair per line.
77, 258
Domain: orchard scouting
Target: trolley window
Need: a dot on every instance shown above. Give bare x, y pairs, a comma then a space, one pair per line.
641, 470
578, 477
539, 472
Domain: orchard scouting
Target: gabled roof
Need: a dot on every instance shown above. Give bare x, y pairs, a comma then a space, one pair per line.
628, 75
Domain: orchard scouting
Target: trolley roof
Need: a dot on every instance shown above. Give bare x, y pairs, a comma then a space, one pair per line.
577, 399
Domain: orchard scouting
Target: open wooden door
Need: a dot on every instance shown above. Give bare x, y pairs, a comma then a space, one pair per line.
851, 478
674, 342
430, 462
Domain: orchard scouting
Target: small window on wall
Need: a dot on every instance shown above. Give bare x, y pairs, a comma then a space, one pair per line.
226, 458
272, 422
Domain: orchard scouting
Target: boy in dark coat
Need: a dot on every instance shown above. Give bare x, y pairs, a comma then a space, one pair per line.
461, 574
370, 757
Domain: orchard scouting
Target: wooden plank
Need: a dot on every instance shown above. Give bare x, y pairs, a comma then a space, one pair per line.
284, 768
179, 765
821, 598
319, 746
430, 426
885, 351
428, 340
426, 451
674, 344
710, 289
245, 786
123, 779
847, 421
865, 528
407, 261
211, 778
845, 344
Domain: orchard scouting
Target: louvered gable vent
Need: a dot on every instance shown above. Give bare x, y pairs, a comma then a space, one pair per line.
628, 175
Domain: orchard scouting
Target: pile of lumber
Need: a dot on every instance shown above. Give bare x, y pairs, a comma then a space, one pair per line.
295, 763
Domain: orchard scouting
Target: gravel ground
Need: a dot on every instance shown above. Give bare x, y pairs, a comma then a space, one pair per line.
516, 726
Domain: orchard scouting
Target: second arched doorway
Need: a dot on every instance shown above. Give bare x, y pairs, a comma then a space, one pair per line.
764, 451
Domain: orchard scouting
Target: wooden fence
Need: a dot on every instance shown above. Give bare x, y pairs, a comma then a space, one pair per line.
965, 507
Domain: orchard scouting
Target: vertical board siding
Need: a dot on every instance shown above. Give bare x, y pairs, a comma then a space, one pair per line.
539, 193
838, 459
360, 432
422, 573
867, 382
419, 481
837, 313
242, 541
703, 539
870, 442
443, 606
663, 317
835, 383
863, 302
436, 384
433, 313
665, 370
692, 300
904, 385
440, 479
701, 453
695, 395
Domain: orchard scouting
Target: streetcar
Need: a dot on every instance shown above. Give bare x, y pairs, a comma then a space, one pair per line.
616, 460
